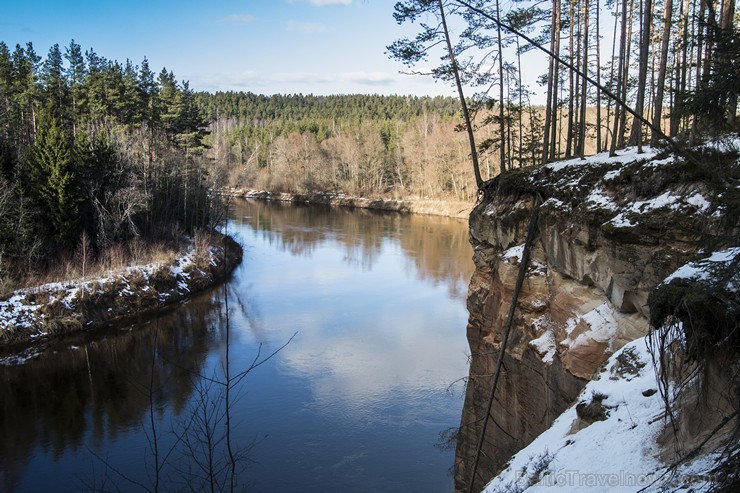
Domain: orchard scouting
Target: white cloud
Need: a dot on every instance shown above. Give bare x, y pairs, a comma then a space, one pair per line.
236, 19
255, 81
305, 27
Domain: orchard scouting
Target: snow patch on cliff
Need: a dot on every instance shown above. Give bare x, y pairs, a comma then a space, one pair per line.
625, 156
707, 269
618, 453
602, 327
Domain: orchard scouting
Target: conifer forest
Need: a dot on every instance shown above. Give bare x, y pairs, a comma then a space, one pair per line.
100, 151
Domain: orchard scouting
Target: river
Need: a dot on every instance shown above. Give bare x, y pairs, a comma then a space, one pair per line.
342, 335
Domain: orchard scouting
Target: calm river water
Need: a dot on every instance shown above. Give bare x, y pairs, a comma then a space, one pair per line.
370, 310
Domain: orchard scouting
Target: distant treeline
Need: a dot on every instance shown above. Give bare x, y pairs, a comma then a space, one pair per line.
359, 144
298, 107
93, 153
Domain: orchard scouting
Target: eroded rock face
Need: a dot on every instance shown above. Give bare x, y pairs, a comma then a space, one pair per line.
604, 241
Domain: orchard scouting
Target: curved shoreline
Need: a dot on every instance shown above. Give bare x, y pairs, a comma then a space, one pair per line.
454, 209
40, 312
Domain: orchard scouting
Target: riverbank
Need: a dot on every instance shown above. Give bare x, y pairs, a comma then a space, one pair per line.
447, 208
32, 313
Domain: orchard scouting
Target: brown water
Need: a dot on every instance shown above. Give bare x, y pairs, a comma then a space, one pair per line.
355, 401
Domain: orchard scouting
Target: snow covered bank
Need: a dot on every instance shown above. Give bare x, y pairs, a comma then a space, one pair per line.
608, 442
40, 311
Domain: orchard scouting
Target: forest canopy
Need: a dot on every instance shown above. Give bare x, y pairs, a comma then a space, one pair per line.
94, 152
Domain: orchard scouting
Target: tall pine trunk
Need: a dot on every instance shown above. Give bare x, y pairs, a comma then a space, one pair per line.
502, 151
584, 84
665, 40
551, 97
646, 29
625, 75
621, 74
556, 84
571, 80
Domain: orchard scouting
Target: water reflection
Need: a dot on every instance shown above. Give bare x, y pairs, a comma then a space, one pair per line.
436, 248
86, 390
376, 300
354, 403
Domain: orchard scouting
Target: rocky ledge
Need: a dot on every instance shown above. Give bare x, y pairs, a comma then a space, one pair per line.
62, 307
610, 229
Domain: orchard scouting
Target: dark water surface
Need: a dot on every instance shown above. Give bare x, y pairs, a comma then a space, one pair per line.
355, 401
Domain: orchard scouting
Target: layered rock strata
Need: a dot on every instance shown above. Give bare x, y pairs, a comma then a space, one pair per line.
609, 230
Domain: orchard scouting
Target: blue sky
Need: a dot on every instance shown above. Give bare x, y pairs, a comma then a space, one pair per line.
265, 46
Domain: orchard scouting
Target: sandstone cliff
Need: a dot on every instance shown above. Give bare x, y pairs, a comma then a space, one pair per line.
609, 231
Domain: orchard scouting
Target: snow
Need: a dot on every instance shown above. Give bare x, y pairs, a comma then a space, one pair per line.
611, 175
554, 203
20, 358
22, 309
727, 144
617, 454
602, 327
656, 163
698, 201
627, 155
666, 200
545, 346
514, 252
514, 255
708, 268
620, 221
597, 198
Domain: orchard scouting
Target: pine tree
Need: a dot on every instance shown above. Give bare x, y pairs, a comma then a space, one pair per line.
54, 82
53, 180
75, 77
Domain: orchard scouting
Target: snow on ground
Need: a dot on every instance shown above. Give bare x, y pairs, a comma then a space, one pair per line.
24, 308
597, 198
728, 143
625, 156
617, 454
625, 211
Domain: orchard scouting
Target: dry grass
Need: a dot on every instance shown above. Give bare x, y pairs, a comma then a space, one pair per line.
115, 258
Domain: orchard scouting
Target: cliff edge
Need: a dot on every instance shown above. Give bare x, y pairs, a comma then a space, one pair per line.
610, 229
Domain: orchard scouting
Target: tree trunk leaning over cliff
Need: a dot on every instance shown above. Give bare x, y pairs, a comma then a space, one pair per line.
531, 233
463, 104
